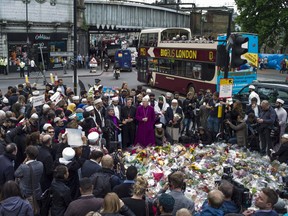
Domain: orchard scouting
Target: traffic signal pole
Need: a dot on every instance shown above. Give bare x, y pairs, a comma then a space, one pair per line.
226, 68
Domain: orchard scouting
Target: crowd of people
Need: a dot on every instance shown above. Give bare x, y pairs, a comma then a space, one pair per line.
43, 172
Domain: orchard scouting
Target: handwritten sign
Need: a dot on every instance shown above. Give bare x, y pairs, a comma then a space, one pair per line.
38, 100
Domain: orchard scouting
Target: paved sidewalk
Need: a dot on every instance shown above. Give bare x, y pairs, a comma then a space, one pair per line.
59, 73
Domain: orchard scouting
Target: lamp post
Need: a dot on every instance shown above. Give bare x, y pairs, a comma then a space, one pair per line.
27, 24
75, 45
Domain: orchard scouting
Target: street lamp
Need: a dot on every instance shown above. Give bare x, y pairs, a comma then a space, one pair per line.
75, 45
27, 24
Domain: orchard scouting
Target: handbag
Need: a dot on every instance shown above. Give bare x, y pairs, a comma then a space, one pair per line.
32, 199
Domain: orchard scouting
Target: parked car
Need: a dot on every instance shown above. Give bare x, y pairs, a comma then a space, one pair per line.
134, 55
267, 90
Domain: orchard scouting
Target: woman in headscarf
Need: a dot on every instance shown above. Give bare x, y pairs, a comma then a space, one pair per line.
71, 107
160, 109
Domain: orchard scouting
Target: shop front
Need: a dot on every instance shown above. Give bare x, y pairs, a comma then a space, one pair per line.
38, 46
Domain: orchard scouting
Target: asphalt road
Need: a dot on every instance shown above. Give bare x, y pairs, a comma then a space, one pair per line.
108, 79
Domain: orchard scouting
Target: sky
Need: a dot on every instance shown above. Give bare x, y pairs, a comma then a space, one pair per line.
212, 3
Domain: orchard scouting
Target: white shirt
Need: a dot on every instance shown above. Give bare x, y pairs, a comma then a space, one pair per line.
116, 111
282, 116
252, 95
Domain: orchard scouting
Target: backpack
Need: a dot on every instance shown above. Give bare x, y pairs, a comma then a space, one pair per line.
102, 184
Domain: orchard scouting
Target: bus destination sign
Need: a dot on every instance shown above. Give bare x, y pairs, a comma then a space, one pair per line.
176, 53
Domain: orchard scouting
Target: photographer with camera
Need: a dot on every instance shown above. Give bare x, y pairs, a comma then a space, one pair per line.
228, 206
177, 185
265, 201
189, 104
241, 131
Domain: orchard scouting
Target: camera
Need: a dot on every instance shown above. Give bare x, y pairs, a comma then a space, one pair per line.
241, 195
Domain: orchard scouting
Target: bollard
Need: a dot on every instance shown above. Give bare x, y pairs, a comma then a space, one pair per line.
26, 78
51, 78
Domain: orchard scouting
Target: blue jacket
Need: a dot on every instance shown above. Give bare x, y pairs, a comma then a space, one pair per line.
227, 207
265, 213
210, 211
15, 206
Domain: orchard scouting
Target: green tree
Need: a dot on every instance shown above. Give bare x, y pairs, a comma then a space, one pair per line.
267, 18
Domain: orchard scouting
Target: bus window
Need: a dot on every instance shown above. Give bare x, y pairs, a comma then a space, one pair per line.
153, 65
197, 71
164, 66
144, 40
188, 70
153, 38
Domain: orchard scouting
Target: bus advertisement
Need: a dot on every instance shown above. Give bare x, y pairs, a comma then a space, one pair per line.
172, 60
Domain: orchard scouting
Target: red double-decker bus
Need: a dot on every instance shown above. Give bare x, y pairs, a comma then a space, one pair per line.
169, 59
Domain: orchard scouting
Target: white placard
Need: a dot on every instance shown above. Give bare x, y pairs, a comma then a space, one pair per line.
38, 100
56, 97
74, 137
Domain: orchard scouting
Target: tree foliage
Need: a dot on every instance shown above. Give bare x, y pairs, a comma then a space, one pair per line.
267, 18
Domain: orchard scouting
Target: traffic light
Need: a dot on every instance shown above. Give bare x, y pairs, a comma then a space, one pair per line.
237, 50
221, 56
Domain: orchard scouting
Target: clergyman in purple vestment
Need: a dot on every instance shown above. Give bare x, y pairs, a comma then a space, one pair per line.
145, 116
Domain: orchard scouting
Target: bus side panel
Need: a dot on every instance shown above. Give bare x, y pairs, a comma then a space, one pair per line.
173, 83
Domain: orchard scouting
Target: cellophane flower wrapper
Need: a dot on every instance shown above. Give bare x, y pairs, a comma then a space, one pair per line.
203, 165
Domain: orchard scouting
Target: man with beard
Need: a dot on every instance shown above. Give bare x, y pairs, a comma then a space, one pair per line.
128, 114
22, 92
89, 121
266, 120
281, 114
177, 97
173, 119
253, 94
168, 97
123, 97
99, 118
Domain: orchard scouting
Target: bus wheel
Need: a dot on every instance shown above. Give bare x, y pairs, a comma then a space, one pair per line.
191, 89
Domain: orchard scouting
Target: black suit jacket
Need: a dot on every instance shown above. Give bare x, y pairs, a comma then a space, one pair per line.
124, 190
46, 158
169, 116
6, 169
89, 168
128, 112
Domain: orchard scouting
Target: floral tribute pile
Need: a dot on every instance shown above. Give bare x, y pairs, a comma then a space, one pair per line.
203, 165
